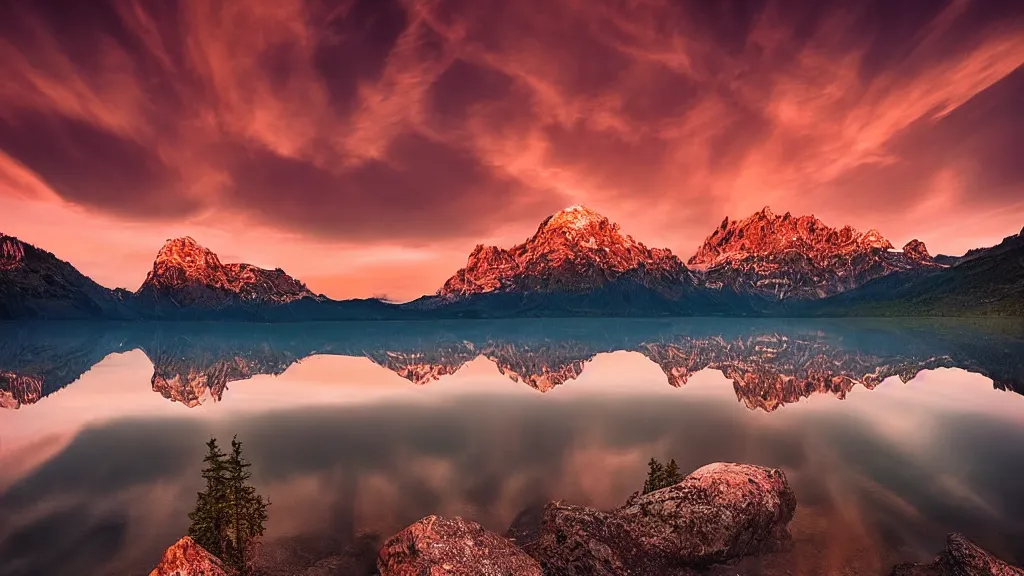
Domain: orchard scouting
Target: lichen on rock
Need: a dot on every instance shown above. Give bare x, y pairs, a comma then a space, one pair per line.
438, 546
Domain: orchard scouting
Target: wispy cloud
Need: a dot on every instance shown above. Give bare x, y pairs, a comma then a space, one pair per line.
435, 124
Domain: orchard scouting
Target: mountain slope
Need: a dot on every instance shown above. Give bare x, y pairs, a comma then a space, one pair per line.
1008, 243
798, 257
36, 284
988, 283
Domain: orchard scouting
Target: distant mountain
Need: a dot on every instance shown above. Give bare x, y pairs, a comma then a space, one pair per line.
574, 250
578, 262
988, 283
186, 274
189, 282
1008, 243
36, 284
783, 257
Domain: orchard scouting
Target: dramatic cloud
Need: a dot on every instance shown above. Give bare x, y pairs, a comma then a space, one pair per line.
432, 125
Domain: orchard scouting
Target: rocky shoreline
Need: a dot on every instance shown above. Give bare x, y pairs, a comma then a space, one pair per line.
718, 515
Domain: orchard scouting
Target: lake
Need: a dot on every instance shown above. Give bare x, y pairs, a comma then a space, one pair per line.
891, 432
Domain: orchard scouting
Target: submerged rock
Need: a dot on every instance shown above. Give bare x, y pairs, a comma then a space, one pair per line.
718, 513
960, 558
186, 558
320, 555
525, 527
438, 546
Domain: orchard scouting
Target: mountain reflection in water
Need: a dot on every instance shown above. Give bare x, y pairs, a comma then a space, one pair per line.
98, 471
771, 363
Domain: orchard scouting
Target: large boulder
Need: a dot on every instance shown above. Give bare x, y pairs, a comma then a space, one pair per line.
718, 513
960, 558
437, 546
186, 558
577, 540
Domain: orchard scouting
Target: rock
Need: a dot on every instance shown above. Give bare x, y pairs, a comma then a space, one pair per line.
718, 513
581, 540
12, 252
525, 527
186, 558
916, 250
437, 546
960, 558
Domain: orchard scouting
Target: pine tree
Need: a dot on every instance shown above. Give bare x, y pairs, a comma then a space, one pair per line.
654, 473
661, 475
247, 513
229, 515
672, 475
209, 519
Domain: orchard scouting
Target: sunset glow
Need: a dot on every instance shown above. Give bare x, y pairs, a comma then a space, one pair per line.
367, 146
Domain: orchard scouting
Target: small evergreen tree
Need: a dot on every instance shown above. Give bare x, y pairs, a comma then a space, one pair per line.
654, 473
209, 519
248, 513
229, 516
661, 475
672, 475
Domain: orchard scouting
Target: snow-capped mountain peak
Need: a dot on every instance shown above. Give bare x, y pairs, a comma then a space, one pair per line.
573, 250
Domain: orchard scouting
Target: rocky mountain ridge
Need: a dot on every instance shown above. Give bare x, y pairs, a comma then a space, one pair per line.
573, 250
788, 256
577, 263
985, 282
12, 252
187, 274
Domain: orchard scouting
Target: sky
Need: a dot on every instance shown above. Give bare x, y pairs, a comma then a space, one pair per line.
366, 146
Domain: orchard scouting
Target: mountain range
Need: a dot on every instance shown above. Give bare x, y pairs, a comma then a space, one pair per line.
578, 263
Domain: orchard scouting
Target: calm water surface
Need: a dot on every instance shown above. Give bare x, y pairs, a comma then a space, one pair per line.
892, 433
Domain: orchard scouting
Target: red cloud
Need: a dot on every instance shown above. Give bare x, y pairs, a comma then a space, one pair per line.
435, 125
